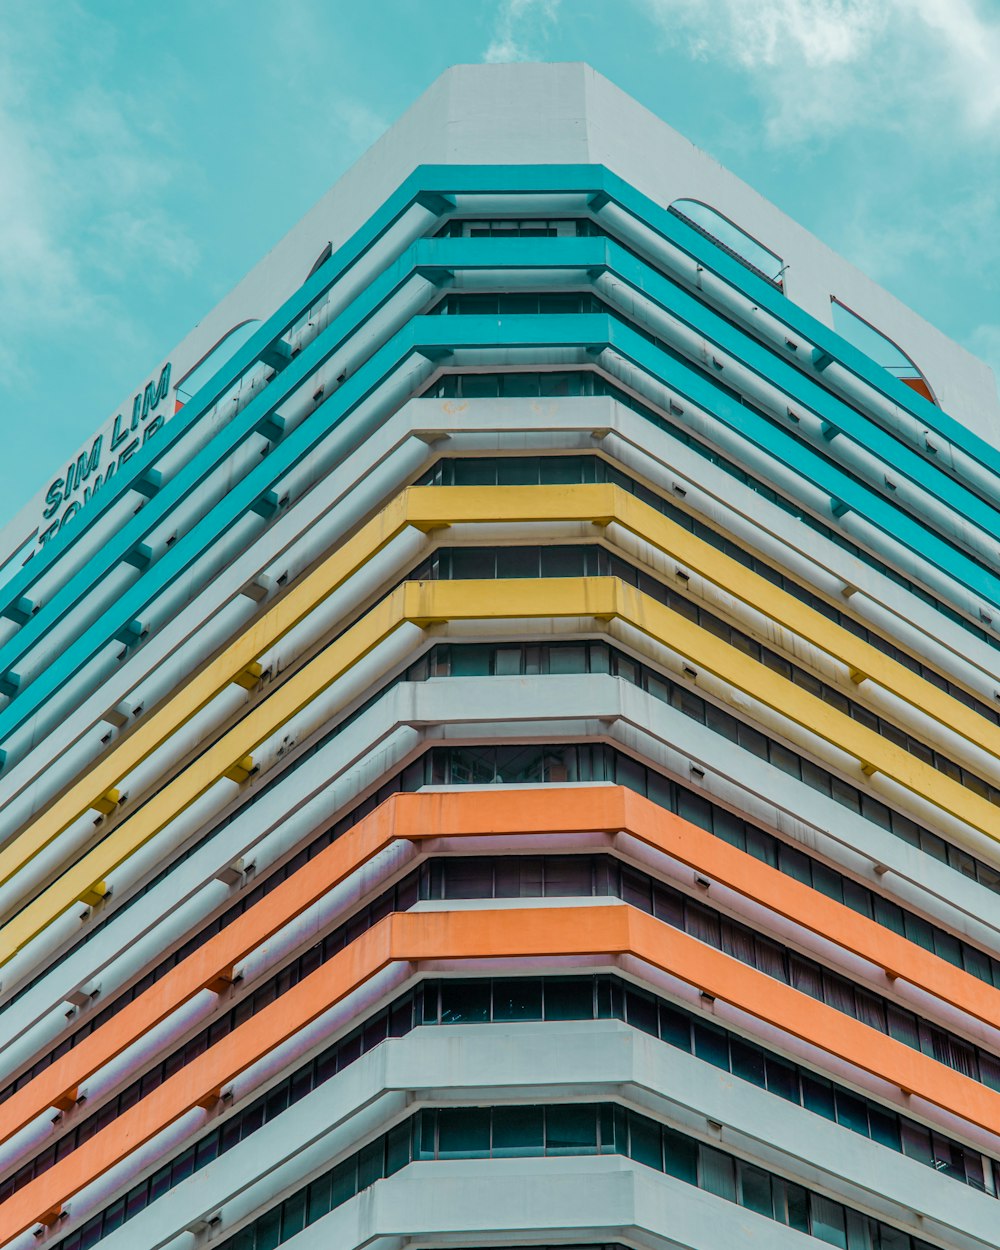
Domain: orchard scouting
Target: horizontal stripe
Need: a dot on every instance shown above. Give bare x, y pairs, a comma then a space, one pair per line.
430, 508
416, 818
510, 179
423, 604
583, 1052
158, 907
599, 933
620, 277
553, 1202
786, 448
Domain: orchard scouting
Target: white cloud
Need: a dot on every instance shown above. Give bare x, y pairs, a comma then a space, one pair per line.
826, 65
80, 171
298, 58
520, 29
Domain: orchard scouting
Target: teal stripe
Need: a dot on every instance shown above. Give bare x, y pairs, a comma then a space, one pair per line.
591, 332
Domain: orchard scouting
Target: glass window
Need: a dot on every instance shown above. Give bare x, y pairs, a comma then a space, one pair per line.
159, 1183
852, 1112
515, 562
568, 659
711, 1044
397, 1148
828, 1221
371, 1163
782, 1079
717, 1173
468, 878
518, 1131
508, 661
268, 1228
793, 1201
471, 661
640, 1011
463, 1133
675, 1028
318, 1198
464, 1002
916, 1141
755, 1189
569, 1000
817, 1096
517, 1000
747, 1062
570, 1129
680, 1156
883, 1126
644, 1142
480, 386
568, 876
293, 1215
114, 1217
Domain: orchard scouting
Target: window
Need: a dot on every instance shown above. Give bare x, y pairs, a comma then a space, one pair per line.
224, 350
863, 335
734, 241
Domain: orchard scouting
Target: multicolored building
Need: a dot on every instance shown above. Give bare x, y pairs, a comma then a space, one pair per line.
501, 733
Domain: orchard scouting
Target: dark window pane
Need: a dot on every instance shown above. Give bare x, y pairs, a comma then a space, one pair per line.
755, 1187
517, 1000
675, 1028
463, 1132
343, 1182
571, 1130
468, 878
398, 1148
747, 1062
817, 1096
711, 1044
884, 1126
293, 1215
852, 1112
828, 1220
318, 1199
269, 1230
569, 1000
718, 1173
568, 876
640, 1011
371, 1164
516, 562
680, 1157
518, 1131
916, 1141
796, 1206
464, 1002
782, 1079
644, 1142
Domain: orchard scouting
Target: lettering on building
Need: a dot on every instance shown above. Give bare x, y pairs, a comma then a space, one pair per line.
107, 456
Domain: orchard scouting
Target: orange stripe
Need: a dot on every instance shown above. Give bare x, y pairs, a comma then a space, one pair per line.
596, 931
419, 817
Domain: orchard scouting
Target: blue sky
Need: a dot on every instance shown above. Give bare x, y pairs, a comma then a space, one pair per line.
151, 153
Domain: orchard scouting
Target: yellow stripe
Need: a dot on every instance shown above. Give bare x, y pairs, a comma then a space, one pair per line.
188, 786
610, 597
433, 507
424, 603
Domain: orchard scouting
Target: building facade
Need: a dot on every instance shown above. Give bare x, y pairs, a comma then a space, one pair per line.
501, 733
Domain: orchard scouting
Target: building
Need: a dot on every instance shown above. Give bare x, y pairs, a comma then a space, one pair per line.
502, 733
